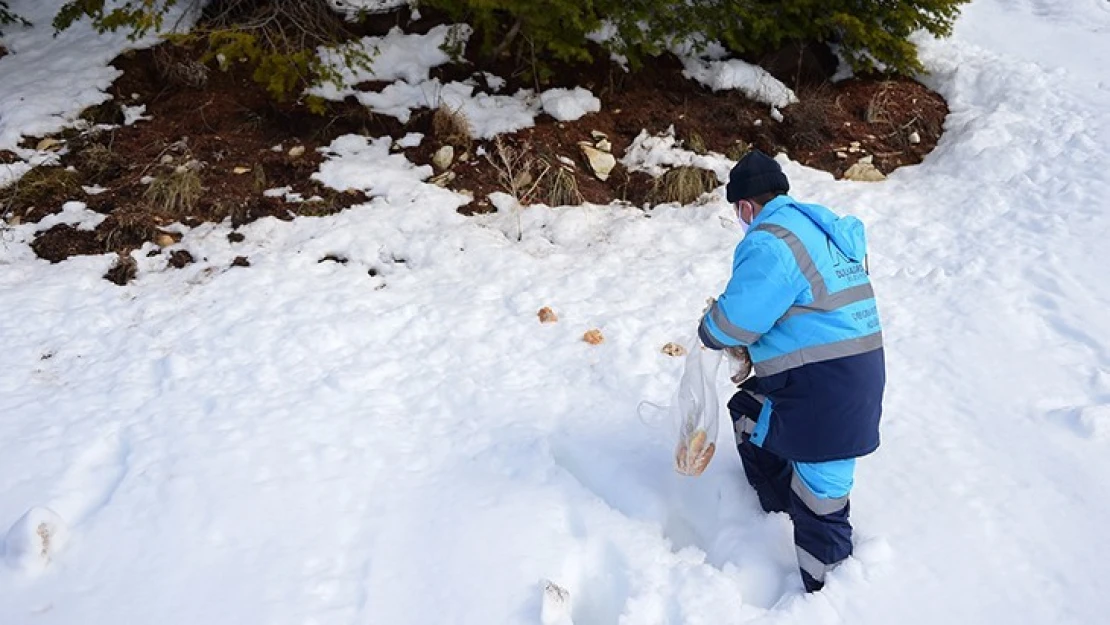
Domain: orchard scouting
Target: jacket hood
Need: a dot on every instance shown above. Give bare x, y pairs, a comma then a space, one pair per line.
847, 233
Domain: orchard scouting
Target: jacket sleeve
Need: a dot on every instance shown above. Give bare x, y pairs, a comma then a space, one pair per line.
763, 286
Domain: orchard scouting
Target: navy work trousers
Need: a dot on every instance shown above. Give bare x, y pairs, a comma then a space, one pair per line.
822, 532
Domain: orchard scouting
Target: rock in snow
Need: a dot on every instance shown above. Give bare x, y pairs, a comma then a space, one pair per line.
443, 157
864, 171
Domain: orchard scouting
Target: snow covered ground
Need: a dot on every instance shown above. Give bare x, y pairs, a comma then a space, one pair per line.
398, 440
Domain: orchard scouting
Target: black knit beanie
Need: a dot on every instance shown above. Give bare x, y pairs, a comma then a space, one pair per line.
755, 175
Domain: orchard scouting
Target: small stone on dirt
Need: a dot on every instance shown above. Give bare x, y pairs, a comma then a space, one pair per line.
598, 135
443, 179
238, 171
674, 349
167, 159
164, 240
594, 337
604, 145
296, 151
842, 155
443, 157
915, 137
602, 163
48, 143
547, 315
864, 172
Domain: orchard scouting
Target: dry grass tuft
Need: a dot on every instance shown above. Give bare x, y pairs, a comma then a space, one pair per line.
127, 229
738, 150
175, 66
683, 185
176, 193
451, 127
810, 119
560, 187
878, 108
43, 187
516, 166
696, 144
98, 162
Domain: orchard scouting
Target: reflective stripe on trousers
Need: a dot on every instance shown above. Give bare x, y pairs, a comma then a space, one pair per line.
816, 520
812, 566
819, 505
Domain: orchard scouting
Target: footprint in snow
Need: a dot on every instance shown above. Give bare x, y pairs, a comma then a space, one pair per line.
93, 479
33, 541
1089, 422
690, 513
89, 484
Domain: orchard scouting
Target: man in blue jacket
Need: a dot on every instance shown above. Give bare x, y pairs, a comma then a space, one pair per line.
800, 302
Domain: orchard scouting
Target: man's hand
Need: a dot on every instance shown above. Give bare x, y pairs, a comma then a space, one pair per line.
742, 361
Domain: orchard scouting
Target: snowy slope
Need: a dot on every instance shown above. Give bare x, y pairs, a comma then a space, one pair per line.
303, 442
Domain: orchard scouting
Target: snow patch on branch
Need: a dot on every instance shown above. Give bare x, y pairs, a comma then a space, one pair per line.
751, 80
351, 9
395, 56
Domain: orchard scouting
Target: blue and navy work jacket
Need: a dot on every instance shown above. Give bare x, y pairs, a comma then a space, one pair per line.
801, 301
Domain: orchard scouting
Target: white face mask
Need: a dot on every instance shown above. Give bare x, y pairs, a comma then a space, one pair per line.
744, 225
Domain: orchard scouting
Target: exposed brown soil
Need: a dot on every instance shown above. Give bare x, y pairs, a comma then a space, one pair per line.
123, 271
213, 147
225, 134
831, 132
181, 258
62, 241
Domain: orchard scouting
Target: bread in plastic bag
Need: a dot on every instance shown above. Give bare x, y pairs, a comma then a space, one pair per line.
694, 411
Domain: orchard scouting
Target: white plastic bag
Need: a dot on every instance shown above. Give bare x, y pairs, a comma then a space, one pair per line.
694, 411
